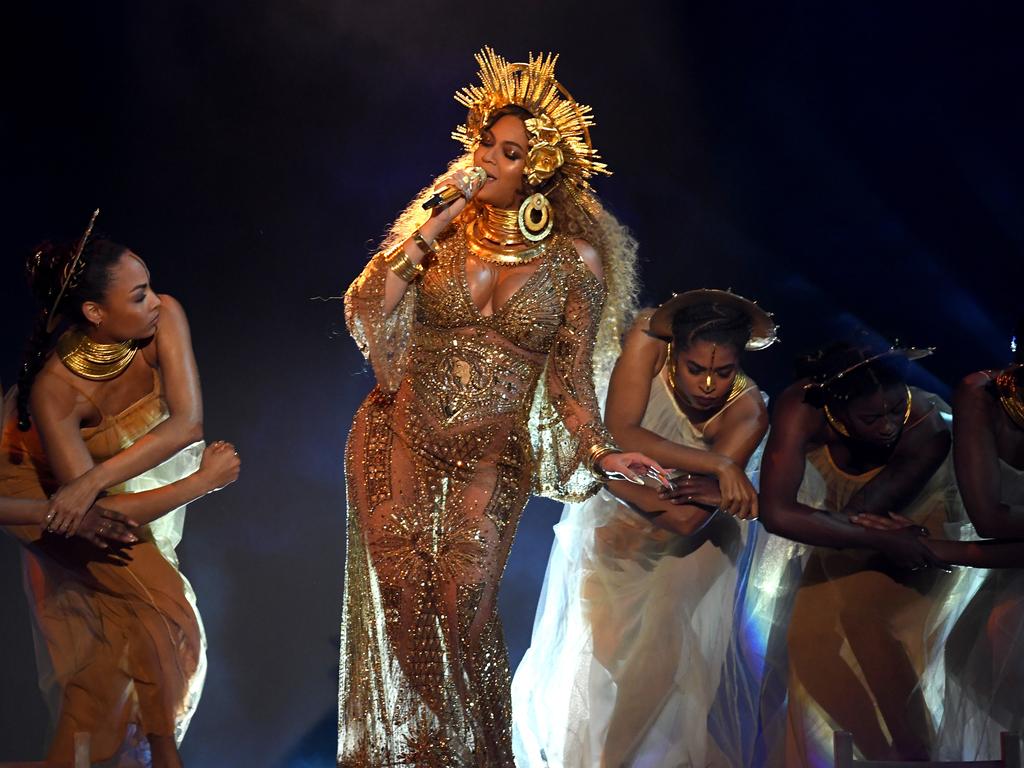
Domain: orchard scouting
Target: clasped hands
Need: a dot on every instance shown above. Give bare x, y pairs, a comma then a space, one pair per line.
730, 491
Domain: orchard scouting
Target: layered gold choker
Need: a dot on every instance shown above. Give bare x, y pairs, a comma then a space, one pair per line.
1010, 394
494, 236
94, 360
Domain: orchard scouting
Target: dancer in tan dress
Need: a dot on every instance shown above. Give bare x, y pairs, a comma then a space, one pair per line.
120, 646
852, 440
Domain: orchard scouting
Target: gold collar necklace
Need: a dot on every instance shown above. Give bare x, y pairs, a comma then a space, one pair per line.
1010, 395
94, 360
494, 236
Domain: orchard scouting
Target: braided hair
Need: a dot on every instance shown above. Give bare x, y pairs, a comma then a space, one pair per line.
828, 388
48, 269
713, 322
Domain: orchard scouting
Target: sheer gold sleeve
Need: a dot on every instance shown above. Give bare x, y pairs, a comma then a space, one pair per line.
382, 338
565, 422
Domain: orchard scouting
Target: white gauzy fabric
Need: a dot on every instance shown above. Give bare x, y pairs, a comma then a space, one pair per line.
633, 660
167, 531
983, 657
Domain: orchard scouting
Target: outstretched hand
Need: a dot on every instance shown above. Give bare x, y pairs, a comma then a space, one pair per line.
629, 465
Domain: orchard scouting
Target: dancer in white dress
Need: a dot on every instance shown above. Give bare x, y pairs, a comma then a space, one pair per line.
635, 622
982, 667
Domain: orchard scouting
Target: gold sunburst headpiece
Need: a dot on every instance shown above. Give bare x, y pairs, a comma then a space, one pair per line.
559, 130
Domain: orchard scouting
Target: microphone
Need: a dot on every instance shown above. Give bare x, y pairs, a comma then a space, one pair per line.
449, 193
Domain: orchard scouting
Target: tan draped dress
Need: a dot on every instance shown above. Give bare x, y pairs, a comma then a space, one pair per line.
119, 643
471, 414
857, 637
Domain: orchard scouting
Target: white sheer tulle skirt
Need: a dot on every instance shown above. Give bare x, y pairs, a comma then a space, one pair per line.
640, 654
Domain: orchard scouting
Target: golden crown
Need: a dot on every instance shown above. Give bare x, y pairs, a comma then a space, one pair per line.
559, 129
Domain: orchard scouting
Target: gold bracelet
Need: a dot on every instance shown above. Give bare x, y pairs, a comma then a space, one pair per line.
404, 267
598, 452
421, 242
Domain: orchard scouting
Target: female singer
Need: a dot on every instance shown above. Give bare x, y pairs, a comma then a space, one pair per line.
480, 325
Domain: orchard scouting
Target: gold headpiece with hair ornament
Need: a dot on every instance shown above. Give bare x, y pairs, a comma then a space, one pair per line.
559, 129
71, 274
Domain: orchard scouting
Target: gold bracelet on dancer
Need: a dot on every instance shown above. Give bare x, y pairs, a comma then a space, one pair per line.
421, 242
403, 266
598, 452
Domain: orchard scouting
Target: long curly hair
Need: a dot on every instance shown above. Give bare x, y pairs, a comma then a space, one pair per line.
577, 214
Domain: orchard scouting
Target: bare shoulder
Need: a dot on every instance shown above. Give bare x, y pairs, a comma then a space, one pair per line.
792, 397
750, 405
791, 414
638, 341
173, 321
589, 256
748, 409
639, 332
974, 388
173, 335
171, 309
52, 391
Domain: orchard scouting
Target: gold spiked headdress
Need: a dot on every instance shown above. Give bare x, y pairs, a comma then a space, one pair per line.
559, 130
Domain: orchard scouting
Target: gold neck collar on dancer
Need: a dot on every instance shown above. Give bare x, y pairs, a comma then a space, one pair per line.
494, 235
95, 360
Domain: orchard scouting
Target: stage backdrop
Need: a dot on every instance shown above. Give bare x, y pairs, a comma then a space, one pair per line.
848, 164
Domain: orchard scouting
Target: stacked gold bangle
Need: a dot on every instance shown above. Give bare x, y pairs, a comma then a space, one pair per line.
403, 266
598, 452
398, 261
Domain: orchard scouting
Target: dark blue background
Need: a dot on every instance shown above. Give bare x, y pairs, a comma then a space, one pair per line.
845, 163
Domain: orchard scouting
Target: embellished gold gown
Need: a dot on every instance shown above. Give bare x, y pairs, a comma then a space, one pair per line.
471, 414
119, 644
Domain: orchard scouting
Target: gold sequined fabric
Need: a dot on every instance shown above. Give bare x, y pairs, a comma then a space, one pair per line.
471, 413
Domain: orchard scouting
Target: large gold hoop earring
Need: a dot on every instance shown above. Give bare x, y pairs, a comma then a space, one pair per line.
536, 217
836, 424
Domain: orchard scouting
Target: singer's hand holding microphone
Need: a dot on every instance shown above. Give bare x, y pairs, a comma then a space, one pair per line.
449, 200
453, 193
